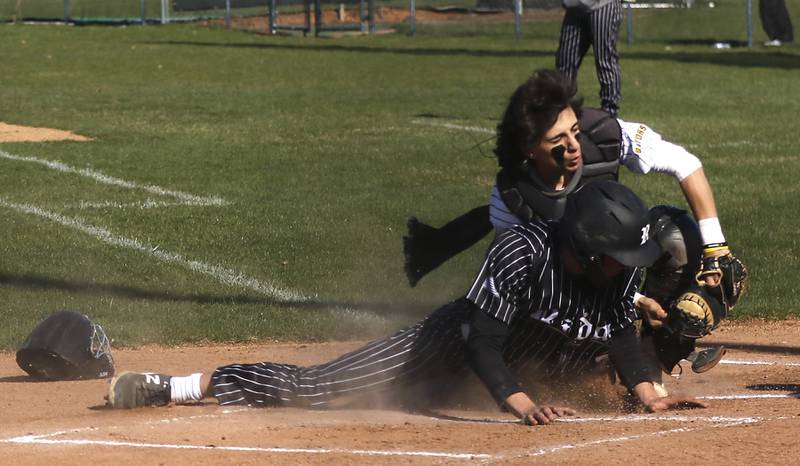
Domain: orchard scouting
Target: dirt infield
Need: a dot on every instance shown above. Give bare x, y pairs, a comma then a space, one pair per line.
753, 417
333, 17
16, 133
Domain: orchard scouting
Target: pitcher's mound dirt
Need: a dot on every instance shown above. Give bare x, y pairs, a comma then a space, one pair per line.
16, 133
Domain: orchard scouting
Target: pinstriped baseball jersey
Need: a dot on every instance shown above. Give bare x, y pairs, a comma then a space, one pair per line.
556, 326
551, 315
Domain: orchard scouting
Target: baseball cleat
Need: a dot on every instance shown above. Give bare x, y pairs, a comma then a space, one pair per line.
660, 389
134, 390
705, 360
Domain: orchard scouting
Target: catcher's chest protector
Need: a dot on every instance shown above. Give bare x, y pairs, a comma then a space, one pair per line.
65, 346
601, 143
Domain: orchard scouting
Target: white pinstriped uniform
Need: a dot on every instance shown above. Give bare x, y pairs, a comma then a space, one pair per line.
556, 326
433, 347
599, 29
567, 322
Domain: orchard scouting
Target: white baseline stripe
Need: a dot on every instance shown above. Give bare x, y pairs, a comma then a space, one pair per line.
197, 416
712, 145
570, 446
146, 204
127, 426
759, 363
556, 449
443, 124
662, 418
703, 145
750, 397
189, 199
221, 274
727, 422
39, 440
633, 418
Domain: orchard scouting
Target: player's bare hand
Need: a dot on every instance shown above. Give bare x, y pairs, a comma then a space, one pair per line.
711, 280
652, 312
543, 415
674, 402
716, 262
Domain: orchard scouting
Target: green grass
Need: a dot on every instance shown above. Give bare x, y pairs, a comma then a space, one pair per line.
313, 144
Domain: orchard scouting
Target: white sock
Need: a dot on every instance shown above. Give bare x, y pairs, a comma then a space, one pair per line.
183, 389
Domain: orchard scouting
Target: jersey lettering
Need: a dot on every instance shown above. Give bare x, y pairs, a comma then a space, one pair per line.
566, 325
547, 320
602, 333
638, 137
585, 330
549, 295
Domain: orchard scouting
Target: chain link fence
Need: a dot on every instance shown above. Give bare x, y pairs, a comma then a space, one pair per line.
728, 20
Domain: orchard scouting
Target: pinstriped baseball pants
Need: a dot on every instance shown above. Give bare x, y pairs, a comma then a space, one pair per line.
599, 29
433, 347
432, 352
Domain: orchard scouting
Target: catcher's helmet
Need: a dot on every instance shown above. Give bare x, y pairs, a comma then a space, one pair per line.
606, 218
66, 345
678, 235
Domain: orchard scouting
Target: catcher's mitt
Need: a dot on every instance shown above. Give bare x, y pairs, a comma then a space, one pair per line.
718, 261
696, 313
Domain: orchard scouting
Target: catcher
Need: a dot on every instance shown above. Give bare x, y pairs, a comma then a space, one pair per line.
547, 147
684, 308
550, 299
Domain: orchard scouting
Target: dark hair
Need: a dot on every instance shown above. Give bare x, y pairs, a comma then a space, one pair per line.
532, 109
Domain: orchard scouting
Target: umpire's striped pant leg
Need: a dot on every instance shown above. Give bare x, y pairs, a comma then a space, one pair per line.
434, 345
605, 24
575, 40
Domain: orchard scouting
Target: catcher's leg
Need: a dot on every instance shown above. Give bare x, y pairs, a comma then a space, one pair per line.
670, 348
707, 359
426, 247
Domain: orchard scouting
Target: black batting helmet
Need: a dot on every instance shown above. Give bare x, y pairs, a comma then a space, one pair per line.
606, 218
678, 235
66, 346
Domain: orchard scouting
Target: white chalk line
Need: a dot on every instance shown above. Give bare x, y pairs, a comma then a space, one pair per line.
47, 439
197, 416
662, 418
718, 421
144, 205
733, 422
714, 145
186, 198
759, 363
702, 145
128, 425
443, 124
629, 418
221, 274
750, 396
111, 443
575, 446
